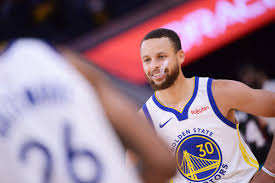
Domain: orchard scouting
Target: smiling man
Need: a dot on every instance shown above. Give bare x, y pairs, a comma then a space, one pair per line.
196, 116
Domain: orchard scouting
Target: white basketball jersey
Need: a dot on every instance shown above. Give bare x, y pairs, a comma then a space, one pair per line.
52, 126
207, 146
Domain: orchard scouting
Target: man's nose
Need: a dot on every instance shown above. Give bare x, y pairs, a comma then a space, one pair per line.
155, 64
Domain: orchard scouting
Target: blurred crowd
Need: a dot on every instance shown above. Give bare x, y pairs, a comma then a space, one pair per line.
59, 20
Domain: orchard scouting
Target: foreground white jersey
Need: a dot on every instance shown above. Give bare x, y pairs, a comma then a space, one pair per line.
52, 127
207, 146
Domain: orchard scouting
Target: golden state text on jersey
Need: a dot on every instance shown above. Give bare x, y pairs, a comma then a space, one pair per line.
199, 158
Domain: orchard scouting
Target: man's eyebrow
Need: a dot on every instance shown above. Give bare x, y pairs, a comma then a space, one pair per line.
161, 52
145, 56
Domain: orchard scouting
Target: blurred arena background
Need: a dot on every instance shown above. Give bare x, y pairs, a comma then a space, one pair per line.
223, 39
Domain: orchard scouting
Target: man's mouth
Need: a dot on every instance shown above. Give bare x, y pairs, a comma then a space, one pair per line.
158, 75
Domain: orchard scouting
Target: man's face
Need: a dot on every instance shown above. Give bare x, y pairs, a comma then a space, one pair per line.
154, 52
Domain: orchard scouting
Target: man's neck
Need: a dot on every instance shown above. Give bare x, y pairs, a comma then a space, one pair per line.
178, 93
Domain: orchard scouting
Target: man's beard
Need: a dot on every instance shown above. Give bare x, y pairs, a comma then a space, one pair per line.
168, 82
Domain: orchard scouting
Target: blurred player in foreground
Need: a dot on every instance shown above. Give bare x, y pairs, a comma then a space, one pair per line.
196, 116
54, 122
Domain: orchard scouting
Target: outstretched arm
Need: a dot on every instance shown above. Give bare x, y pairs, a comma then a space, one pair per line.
263, 177
158, 164
231, 95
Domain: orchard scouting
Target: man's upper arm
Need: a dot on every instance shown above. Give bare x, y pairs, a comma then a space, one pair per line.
236, 95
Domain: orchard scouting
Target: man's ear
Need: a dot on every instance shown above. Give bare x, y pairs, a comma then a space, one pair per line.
180, 56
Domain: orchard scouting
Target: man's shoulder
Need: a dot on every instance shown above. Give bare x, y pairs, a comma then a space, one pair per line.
221, 84
228, 90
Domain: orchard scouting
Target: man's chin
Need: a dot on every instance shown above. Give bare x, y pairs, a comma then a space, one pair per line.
159, 86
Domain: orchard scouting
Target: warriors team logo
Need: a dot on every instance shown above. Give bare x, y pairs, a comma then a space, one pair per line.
198, 157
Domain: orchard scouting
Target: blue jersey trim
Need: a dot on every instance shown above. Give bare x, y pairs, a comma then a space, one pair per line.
184, 114
214, 106
148, 116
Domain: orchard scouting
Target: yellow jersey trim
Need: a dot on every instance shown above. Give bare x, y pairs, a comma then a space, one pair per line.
248, 159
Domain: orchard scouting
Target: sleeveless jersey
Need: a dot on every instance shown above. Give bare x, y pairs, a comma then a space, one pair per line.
52, 126
208, 147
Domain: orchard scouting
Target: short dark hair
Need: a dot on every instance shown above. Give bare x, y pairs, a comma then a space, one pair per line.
160, 33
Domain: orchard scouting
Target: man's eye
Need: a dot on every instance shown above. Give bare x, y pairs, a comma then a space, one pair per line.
146, 60
161, 56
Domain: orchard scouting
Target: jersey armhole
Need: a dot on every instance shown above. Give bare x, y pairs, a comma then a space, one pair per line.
215, 107
147, 115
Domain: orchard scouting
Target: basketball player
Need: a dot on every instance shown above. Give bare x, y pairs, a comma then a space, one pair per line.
195, 116
54, 122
